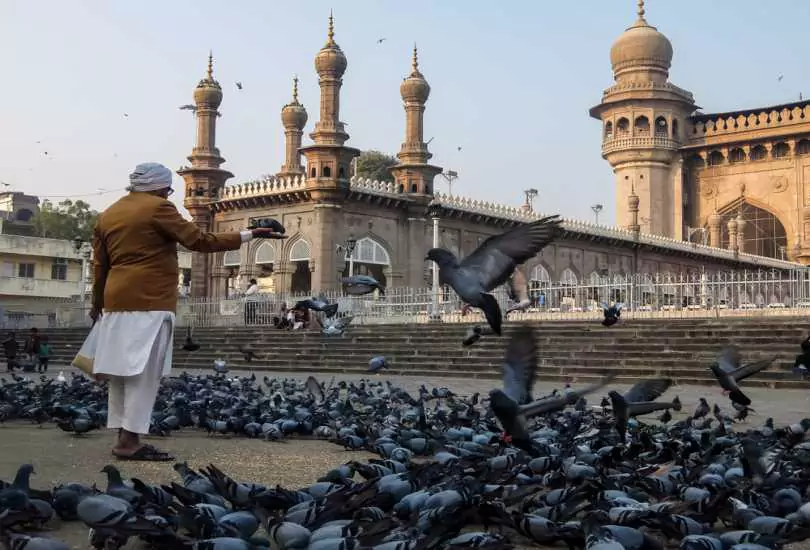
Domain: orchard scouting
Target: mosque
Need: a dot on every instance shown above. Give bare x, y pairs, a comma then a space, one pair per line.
695, 192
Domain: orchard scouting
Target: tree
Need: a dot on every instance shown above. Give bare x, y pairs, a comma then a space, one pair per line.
65, 220
374, 165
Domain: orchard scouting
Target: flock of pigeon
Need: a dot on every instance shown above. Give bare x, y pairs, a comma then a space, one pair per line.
483, 472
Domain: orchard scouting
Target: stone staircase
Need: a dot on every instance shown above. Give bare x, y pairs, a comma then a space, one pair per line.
574, 351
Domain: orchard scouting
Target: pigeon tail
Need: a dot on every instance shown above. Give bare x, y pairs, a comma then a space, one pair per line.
737, 396
492, 311
330, 310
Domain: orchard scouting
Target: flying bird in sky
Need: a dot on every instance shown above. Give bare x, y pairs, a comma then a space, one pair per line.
381, 40
238, 85
188, 107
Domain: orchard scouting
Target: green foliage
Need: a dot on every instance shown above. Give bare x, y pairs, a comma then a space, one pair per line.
65, 220
374, 165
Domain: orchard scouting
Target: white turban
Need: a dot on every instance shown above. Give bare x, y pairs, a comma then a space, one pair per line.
150, 176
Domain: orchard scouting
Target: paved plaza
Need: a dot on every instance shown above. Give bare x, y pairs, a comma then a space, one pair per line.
59, 457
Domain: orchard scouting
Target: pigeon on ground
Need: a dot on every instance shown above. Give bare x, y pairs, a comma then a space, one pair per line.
518, 292
220, 366
472, 336
376, 364
639, 400
317, 305
611, 313
729, 370
190, 344
492, 263
334, 326
248, 352
267, 223
359, 285
702, 409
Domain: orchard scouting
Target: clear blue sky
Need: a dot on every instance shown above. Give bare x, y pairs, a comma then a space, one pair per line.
511, 83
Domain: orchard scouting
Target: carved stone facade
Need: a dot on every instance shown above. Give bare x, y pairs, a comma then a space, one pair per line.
731, 180
322, 207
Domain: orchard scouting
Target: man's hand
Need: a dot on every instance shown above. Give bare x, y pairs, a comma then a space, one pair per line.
95, 314
267, 233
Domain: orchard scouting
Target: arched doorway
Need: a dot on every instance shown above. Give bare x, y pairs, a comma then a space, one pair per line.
763, 234
301, 280
370, 258
539, 282
265, 259
231, 261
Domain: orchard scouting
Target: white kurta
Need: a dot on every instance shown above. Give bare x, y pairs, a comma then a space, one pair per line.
126, 339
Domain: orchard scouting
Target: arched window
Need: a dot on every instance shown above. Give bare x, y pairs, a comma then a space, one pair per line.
622, 127
414, 189
568, 282
539, 282
265, 253
312, 172
232, 258
326, 171
661, 127
780, 150
674, 128
608, 129
369, 251
715, 158
758, 152
803, 147
641, 126
736, 155
539, 276
300, 251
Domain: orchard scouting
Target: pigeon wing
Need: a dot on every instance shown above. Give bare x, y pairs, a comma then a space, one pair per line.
647, 390
314, 387
343, 322
749, 369
729, 358
551, 404
495, 259
520, 365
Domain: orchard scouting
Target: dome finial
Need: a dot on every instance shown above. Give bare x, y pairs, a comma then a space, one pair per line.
295, 89
640, 10
415, 63
210, 65
331, 33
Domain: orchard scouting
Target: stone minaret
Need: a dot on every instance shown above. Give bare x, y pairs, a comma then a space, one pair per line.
294, 117
204, 178
413, 174
644, 118
328, 166
632, 208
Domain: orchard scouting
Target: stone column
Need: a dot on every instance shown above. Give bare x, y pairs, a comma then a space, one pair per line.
677, 186
715, 222
328, 229
732, 234
740, 233
414, 268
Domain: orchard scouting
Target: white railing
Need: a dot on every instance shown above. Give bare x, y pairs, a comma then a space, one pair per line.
732, 294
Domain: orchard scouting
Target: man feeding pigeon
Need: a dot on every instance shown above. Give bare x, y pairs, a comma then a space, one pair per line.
135, 296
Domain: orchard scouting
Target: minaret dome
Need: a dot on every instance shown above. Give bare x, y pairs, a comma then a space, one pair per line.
641, 46
293, 114
415, 87
208, 91
330, 59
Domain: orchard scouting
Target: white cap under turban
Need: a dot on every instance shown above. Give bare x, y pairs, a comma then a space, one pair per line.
150, 176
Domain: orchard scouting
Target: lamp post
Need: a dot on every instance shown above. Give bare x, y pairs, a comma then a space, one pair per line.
83, 249
596, 209
450, 176
435, 212
530, 196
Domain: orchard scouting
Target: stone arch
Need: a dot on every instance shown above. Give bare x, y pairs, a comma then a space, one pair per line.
299, 255
371, 256
803, 147
232, 258
609, 129
641, 126
622, 127
539, 276
715, 158
780, 150
568, 277
539, 284
326, 171
758, 152
737, 154
661, 127
300, 250
764, 233
265, 253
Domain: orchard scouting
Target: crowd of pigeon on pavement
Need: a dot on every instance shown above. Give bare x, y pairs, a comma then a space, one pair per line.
454, 471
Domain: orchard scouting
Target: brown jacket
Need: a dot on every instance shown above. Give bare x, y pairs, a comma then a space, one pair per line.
135, 253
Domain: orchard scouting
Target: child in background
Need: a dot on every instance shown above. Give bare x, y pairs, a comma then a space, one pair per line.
44, 354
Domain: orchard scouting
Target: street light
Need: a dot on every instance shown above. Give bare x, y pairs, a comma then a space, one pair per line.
435, 211
450, 176
596, 209
83, 249
530, 196
348, 247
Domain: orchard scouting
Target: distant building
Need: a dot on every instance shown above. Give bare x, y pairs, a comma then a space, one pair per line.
17, 213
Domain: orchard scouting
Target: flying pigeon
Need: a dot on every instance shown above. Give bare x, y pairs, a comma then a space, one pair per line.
639, 400
188, 107
190, 345
729, 370
317, 305
381, 40
238, 85
491, 264
612, 313
472, 336
358, 285
518, 292
334, 326
248, 352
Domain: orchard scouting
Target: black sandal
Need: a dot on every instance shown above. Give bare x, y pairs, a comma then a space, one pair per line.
147, 453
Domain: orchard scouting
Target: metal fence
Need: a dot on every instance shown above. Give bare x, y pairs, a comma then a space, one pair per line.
731, 294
